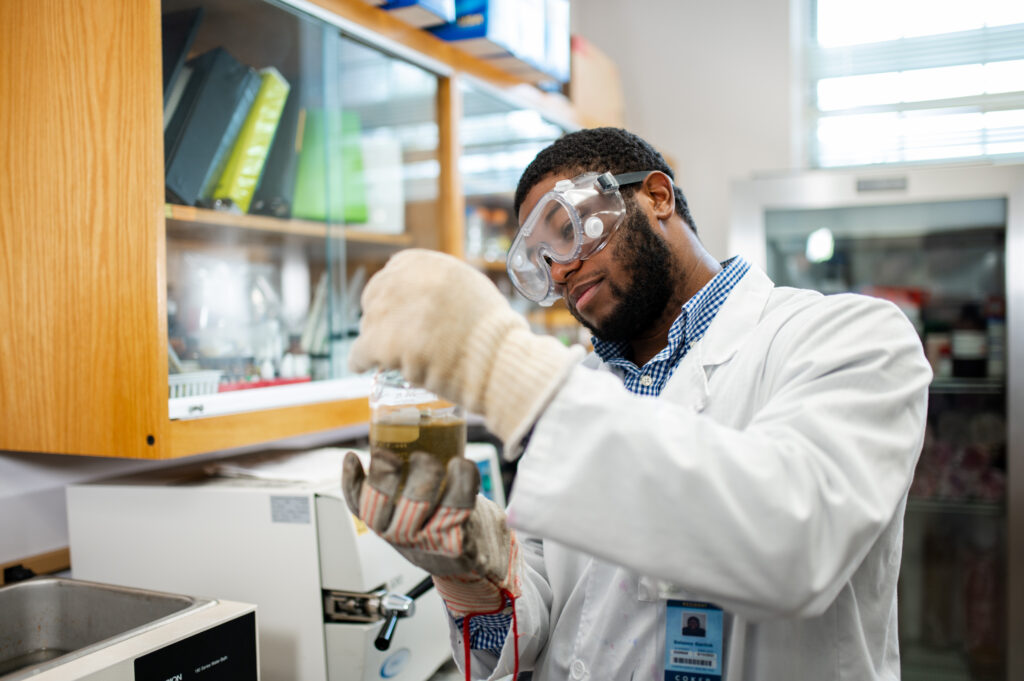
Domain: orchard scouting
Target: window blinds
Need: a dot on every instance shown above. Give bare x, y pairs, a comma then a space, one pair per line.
910, 81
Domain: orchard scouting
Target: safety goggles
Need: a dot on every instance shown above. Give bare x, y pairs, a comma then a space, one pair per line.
571, 222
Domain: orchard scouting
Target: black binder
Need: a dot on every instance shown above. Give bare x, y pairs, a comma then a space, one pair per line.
205, 124
178, 31
274, 194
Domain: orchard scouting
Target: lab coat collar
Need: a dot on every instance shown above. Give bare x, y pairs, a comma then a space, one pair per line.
730, 328
737, 317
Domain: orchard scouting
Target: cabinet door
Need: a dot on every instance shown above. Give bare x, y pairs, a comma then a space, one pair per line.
296, 161
80, 246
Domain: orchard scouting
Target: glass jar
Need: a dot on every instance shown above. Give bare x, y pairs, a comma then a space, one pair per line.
406, 419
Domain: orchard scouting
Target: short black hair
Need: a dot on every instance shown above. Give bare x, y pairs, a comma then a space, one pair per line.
612, 150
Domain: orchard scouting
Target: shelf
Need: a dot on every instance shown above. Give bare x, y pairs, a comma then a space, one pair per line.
201, 435
487, 265
186, 221
975, 508
382, 27
552, 316
967, 386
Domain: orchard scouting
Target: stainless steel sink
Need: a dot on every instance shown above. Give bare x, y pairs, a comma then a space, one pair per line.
46, 621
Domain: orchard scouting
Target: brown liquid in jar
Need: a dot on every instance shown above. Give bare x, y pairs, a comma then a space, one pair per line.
442, 438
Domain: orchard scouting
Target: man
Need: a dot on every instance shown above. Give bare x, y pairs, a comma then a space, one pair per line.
693, 627
731, 447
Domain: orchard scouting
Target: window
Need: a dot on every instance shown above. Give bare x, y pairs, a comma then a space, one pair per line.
900, 81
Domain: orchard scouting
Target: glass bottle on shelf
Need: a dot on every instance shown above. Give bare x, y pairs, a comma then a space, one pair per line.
968, 344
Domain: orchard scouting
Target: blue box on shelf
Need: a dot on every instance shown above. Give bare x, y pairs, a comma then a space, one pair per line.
422, 13
482, 28
529, 38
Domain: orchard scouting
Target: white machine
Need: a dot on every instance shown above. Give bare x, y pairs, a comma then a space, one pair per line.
272, 529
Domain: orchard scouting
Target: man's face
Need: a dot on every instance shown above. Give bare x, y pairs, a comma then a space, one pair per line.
621, 291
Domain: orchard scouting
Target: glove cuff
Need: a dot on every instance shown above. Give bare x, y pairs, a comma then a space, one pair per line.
472, 594
527, 371
478, 353
468, 594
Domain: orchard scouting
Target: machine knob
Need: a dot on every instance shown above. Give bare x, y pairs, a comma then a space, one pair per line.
397, 605
394, 606
383, 640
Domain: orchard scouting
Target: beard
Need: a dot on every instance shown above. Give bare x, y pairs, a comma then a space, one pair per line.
652, 271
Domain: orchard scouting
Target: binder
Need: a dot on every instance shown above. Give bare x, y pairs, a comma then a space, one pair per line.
273, 195
173, 96
330, 184
245, 163
178, 31
205, 124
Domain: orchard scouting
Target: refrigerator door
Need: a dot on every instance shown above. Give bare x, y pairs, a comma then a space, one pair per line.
939, 243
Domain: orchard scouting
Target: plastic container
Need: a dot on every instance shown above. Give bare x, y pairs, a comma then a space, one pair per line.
193, 383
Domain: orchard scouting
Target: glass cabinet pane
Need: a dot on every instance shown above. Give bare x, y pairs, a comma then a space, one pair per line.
499, 140
943, 264
296, 161
390, 120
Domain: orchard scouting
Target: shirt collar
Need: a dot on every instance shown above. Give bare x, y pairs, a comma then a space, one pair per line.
693, 320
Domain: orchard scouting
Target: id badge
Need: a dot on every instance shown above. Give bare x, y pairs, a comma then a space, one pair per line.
693, 641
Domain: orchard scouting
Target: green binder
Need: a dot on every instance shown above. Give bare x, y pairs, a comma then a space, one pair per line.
244, 167
329, 181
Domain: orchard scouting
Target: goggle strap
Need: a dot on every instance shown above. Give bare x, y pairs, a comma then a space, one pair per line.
632, 178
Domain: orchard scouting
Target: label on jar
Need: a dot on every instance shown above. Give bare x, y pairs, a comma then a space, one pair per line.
968, 344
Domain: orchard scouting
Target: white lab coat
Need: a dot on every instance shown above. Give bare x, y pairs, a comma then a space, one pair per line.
769, 477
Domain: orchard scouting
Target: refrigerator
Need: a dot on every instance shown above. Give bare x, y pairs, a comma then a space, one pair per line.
946, 245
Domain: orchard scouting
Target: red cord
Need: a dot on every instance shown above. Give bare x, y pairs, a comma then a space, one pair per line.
515, 634
465, 644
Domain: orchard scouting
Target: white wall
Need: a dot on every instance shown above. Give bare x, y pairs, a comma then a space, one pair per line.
707, 83
33, 511
32, 498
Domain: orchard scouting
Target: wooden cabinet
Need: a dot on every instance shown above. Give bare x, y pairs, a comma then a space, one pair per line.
89, 246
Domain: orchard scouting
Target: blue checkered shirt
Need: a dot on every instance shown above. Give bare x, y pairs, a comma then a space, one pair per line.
686, 330
488, 632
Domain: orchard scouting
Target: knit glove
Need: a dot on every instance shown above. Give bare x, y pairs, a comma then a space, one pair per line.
439, 524
447, 328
